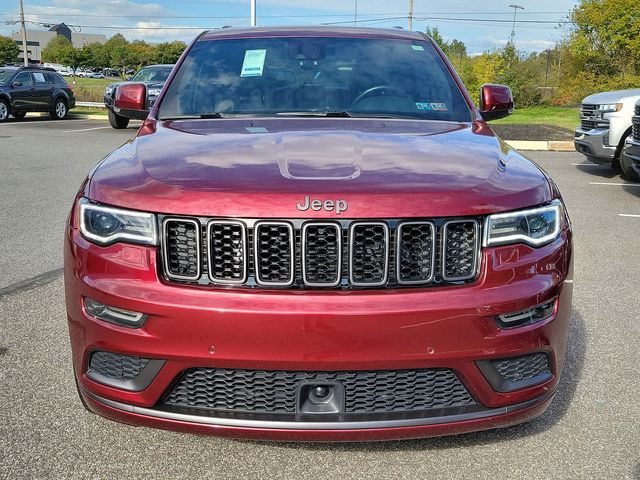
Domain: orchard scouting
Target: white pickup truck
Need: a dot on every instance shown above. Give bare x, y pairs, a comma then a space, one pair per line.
605, 125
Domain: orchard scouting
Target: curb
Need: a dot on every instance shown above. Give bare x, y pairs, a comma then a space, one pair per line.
544, 145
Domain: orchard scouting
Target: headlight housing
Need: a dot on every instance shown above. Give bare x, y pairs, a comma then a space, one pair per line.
106, 225
610, 107
535, 226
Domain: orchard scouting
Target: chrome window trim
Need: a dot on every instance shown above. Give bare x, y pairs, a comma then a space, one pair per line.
476, 250
386, 254
303, 240
292, 244
433, 253
245, 253
165, 256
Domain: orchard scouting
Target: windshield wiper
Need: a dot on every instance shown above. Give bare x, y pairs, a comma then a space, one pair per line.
195, 116
319, 113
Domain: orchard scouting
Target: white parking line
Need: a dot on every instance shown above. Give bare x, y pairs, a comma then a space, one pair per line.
31, 122
616, 184
585, 165
633, 215
84, 129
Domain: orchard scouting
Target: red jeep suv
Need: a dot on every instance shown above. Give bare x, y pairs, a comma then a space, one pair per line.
316, 236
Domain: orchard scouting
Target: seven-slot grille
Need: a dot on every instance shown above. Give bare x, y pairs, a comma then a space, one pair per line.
274, 392
298, 253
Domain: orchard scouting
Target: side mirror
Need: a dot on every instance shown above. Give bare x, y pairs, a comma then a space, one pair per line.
131, 97
16, 84
496, 101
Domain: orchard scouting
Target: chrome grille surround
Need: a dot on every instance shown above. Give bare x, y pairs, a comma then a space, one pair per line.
399, 252
338, 247
301, 274
353, 244
165, 248
475, 249
244, 246
259, 260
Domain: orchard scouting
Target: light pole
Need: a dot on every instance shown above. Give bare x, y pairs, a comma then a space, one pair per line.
410, 15
515, 10
24, 36
253, 13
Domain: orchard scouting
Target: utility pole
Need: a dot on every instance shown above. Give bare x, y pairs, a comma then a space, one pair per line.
410, 15
253, 13
24, 36
515, 10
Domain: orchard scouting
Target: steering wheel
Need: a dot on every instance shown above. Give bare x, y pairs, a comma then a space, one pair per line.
375, 91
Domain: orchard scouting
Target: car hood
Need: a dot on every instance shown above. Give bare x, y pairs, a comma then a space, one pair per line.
265, 168
612, 97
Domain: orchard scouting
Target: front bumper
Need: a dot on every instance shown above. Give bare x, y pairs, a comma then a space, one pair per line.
632, 152
438, 327
595, 145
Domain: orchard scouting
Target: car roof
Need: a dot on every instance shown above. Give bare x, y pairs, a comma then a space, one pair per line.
160, 65
312, 31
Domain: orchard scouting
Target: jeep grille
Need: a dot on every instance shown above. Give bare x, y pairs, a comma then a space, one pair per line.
320, 254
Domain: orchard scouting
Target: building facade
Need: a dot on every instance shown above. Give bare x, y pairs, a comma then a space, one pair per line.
37, 40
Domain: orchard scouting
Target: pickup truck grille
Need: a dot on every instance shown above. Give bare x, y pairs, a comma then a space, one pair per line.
322, 254
636, 123
590, 117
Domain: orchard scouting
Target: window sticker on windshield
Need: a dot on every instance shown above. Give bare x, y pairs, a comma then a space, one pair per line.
417, 48
423, 106
439, 107
253, 63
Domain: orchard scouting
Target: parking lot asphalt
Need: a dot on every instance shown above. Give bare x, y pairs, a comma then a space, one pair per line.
592, 429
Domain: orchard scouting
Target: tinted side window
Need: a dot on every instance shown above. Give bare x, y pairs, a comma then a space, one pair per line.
25, 78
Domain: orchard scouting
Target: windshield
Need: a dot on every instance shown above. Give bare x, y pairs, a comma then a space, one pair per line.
290, 76
5, 75
152, 74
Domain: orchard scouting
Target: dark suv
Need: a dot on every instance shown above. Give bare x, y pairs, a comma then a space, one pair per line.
33, 89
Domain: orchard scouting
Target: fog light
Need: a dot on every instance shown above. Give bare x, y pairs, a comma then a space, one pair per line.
107, 313
527, 317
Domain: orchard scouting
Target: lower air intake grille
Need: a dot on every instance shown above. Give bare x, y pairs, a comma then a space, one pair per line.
274, 392
114, 365
522, 368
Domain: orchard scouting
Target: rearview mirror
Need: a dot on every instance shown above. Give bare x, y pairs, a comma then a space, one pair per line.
496, 101
131, 97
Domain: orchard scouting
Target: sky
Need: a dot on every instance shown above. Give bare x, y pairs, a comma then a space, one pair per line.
481, 25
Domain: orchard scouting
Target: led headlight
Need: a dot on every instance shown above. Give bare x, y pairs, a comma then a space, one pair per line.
107, 225
611, 107
535, 227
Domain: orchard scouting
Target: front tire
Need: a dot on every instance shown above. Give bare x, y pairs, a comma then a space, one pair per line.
116, 121
626, 167
4, 110
59, 110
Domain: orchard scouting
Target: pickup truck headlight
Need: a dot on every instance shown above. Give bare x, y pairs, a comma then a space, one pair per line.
610, 107
535, 227
107, 225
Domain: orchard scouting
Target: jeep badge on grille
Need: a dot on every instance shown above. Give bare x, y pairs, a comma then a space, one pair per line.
329, 205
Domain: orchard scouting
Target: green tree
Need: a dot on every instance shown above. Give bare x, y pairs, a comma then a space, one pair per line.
59, 50
169, 52
117, 49
9, 50
607, 36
